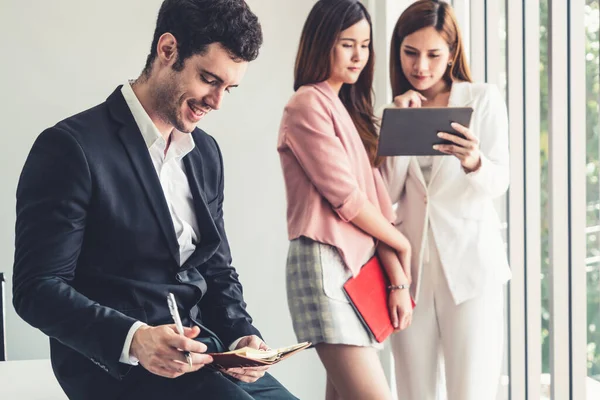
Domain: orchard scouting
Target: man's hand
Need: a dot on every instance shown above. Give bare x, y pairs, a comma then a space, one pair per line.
249, 374
160, 350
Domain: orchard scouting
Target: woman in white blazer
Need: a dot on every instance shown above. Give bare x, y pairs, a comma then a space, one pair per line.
445, 208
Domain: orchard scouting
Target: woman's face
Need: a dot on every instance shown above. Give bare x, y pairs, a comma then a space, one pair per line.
424, 57
350, 54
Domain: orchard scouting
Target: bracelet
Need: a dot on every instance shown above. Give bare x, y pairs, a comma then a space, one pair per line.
391, 288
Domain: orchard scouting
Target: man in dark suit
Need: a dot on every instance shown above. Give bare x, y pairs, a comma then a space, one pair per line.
122, 204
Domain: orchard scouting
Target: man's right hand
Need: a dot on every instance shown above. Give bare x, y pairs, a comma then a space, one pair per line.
160, 350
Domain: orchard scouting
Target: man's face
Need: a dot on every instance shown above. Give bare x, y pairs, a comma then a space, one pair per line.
182, 98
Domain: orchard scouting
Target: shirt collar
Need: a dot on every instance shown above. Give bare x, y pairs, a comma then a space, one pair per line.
182, 142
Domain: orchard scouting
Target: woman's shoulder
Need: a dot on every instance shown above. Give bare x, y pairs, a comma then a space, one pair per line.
481, 92
481, 96
308, 103
309, 95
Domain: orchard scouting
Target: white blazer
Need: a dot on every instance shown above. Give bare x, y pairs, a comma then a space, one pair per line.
458, 206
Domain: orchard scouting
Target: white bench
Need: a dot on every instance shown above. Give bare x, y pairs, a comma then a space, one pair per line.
29, 380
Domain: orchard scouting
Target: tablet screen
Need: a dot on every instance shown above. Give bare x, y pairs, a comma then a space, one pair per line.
413, 131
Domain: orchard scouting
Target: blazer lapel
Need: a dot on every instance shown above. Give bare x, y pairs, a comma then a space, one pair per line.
135, 146
460, 96
209, 234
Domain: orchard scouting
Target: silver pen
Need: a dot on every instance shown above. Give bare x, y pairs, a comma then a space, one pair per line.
177, 319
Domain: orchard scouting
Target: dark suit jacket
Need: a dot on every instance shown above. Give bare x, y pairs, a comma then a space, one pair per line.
96, 248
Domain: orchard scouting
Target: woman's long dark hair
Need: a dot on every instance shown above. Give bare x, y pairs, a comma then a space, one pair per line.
327, 19
424, 14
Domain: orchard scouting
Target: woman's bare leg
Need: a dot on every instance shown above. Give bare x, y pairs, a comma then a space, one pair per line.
355, 372
330, 392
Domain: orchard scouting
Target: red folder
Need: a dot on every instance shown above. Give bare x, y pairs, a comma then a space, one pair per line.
368, 295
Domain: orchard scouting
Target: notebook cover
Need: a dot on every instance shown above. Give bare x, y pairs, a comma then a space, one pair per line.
225, 360
368, 295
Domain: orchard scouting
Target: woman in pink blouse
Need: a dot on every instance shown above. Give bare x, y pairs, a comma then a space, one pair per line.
339, 213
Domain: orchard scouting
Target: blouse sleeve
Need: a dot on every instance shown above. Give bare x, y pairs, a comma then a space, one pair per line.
310, 135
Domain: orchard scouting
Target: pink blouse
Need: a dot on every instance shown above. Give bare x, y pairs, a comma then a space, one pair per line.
327, 173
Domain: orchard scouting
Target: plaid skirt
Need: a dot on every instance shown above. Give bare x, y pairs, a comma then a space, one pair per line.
320, 311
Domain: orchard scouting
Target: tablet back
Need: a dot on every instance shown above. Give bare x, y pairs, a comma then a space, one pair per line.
413, 131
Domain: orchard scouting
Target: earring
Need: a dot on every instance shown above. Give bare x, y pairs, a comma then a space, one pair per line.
450, 64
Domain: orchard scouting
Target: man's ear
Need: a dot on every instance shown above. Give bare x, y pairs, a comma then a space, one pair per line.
166, 49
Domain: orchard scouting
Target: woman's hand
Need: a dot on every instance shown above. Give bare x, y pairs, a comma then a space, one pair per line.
399, 301
400, 307
409, 99
466, 150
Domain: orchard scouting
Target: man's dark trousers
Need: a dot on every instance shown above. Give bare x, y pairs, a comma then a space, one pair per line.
207, 383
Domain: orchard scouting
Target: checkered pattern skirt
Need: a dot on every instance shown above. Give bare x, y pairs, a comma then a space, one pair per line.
320, 311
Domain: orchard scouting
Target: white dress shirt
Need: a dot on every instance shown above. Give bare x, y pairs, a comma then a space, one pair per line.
173, 180
171, 173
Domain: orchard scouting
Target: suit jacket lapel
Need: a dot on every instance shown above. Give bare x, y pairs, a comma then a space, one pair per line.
460, 96
133, 141
209, 234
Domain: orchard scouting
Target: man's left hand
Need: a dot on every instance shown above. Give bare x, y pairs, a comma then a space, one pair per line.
249, 374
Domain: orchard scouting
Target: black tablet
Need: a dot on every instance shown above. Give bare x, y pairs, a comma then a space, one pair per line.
413, 131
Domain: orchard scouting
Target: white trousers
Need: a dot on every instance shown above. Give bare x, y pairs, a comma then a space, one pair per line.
464, 340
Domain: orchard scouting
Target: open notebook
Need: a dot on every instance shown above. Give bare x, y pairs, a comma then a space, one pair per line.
248, 357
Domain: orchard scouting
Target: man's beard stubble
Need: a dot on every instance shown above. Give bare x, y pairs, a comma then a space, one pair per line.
168, 105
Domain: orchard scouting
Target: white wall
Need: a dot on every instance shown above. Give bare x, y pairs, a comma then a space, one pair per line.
63, 56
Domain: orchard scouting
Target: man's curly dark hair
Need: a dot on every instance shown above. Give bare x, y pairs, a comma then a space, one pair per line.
198, 23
